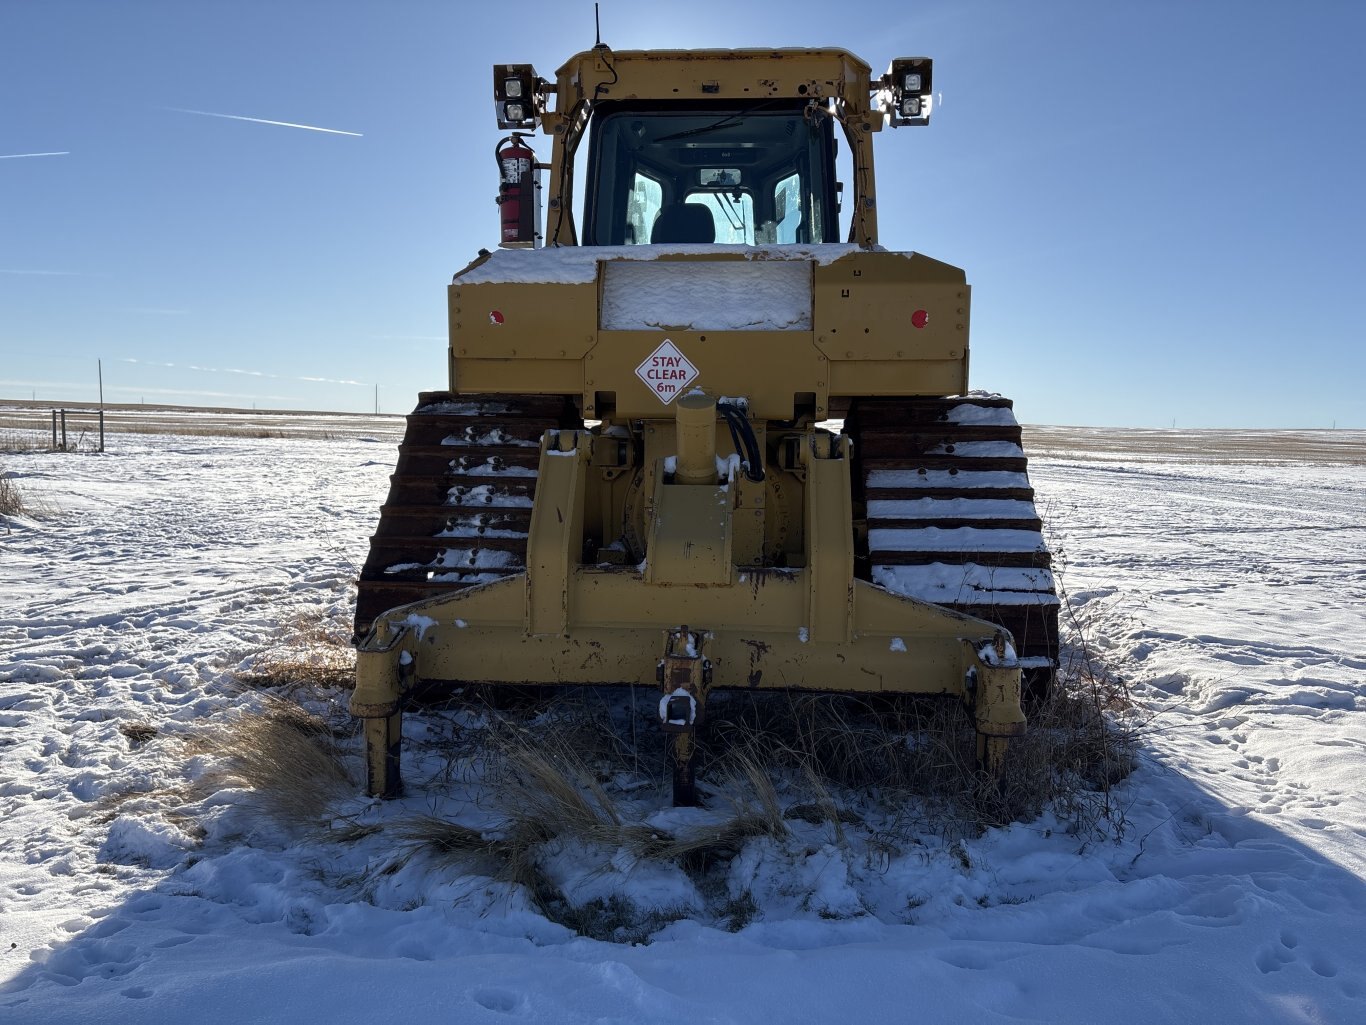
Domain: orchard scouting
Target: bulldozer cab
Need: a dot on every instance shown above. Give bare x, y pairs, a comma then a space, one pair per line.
748, 137
729, 173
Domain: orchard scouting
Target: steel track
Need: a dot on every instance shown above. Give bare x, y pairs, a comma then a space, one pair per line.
948, 516
459, 503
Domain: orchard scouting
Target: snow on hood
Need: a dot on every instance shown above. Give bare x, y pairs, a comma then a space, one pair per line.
578, 265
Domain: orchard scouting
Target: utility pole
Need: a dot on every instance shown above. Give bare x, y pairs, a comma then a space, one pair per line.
99, 366
377, 399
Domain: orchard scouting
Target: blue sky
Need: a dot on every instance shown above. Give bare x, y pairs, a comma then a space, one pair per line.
1160, 206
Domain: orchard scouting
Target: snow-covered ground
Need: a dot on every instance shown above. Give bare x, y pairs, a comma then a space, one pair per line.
1229, 590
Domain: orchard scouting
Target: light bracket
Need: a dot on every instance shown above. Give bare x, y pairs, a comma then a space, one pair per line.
905, 95
517, 98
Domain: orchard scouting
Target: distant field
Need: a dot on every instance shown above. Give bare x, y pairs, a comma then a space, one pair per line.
27, 425
1346, 448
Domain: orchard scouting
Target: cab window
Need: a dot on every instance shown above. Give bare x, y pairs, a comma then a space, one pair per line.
760, 175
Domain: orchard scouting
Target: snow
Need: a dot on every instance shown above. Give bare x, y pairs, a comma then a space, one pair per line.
496, 436
578, 265
134, 888
487, 495
980, 449
417, 622
770, 295
987, 653
942, 508
464, 408
495, 466
471, 526
677, 692
954, 582
953, 539
481, 558
971, 413
947, 479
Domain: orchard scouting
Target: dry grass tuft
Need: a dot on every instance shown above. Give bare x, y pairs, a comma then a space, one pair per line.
447, 840
554, 776
547, 780
551, 789
15, 439
1082, 741
313, 650
13, 502
287, 758
917, 757
615, 919
137, 733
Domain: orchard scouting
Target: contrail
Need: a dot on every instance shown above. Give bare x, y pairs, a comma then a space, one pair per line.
16, 156
264, 121
233, 370
330, 380
191, 366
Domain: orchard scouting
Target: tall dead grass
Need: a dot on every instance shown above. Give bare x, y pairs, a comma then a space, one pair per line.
11, 499
14, 439
14, 502
311, 651
554, 779
286, 757
917, 757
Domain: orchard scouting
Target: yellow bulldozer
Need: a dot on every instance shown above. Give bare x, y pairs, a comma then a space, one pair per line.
693, 439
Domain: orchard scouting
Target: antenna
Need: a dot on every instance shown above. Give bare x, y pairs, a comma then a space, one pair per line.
597, 28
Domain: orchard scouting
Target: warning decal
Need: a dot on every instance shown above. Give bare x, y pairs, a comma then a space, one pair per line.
666, 372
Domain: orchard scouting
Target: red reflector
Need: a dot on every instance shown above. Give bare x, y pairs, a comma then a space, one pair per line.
920, 318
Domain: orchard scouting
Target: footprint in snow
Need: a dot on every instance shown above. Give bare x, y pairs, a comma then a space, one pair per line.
501, 1000
1274, 957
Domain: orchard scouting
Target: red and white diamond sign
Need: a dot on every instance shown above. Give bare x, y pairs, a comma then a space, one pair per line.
666, 372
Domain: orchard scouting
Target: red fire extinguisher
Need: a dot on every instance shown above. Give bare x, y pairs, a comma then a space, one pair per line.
518, 184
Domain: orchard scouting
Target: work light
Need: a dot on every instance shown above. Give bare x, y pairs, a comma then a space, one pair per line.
515, 96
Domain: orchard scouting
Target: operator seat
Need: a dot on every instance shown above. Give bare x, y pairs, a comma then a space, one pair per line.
684, 222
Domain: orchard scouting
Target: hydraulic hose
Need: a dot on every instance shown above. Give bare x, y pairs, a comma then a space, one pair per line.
746, 443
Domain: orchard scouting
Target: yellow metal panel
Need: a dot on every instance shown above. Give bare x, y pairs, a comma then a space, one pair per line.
715, 74
882, 306
518, 376
898, 377
555, 540
525, 320
865, 341
690, 536
829, 538
754, 627
767, 367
